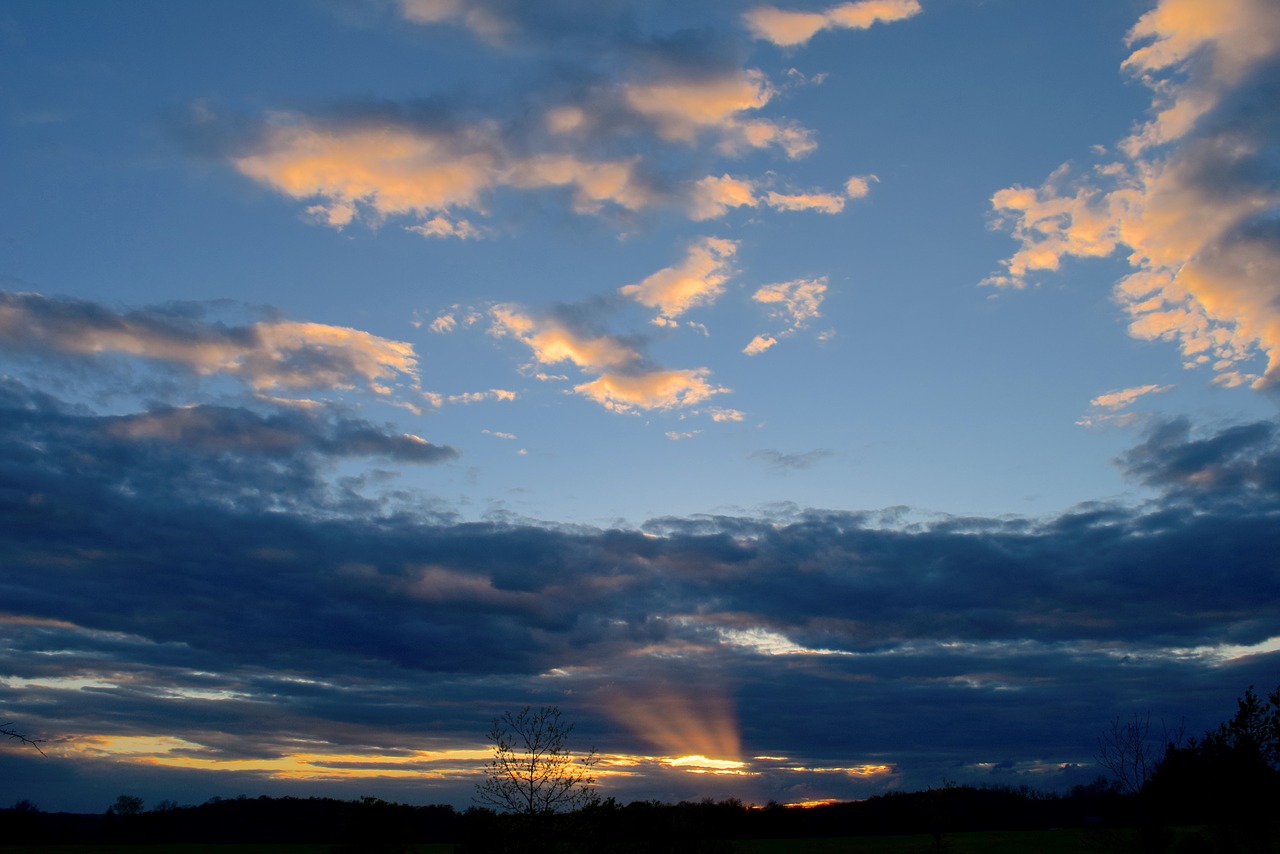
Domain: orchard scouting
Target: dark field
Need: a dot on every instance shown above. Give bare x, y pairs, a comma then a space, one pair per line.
1003, 842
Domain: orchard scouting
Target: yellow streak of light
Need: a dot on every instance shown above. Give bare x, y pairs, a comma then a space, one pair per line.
171, 752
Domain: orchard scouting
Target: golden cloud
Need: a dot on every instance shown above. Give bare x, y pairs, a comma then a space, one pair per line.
697, 280
684, 108
653, 389
788, 28
1205, 275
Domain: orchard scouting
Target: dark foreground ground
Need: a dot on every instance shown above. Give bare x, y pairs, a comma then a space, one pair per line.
1076, 841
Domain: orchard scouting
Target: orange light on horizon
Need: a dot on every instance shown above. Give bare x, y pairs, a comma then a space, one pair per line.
683, 727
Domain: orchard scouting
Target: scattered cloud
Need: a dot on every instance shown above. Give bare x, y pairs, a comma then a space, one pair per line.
712, 197
759, 344
778, 461
788, 28
1105, 408
721, 414
1126, 396
1186, 202
267, 355
796, 303
653, 388
859, 186
626, 380
683, 107
697, 280
375, 169
438, 400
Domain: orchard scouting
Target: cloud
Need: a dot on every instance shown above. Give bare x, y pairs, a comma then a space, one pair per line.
477, 18
650, 389
858, 186
625, 382
220, 429
1105, 407
788, 28
698, 280
438, 400
376, 169
1241, 462
1126, 396
779, 461
682, 108
263, 601
822, 202
712, 197
442, 226
266, 355
721, 414
796, 303
1193, 203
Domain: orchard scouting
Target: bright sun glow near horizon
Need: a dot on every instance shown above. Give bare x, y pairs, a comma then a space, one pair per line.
802, 396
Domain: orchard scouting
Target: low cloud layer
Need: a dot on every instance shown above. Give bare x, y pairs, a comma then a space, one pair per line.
242, 619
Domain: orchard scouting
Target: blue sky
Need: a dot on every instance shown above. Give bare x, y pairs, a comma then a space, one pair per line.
372, 368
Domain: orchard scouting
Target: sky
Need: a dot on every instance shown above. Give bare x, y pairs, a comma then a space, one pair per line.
810, 400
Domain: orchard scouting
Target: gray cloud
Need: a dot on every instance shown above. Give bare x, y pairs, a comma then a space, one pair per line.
779, 461
170, 575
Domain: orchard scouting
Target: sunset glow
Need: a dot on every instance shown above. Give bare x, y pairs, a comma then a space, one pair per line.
802, 397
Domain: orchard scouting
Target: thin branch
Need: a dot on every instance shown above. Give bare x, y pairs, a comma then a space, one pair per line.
7, 730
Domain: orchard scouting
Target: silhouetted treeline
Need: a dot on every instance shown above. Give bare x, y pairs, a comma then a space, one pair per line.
368, 824
371, 824
1227, 781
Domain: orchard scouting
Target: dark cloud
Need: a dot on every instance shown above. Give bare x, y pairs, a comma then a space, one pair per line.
236, 602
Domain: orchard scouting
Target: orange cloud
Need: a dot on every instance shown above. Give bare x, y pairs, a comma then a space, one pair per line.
759, 344
624, 383
1232, 35
386, 170
554, 342
375, 173
798, 301
713, 196
697, 280
1205, 274
788, 28
650, 389
822, 202
684, 108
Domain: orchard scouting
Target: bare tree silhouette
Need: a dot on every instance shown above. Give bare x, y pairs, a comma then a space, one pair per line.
533, 771
1130, 751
